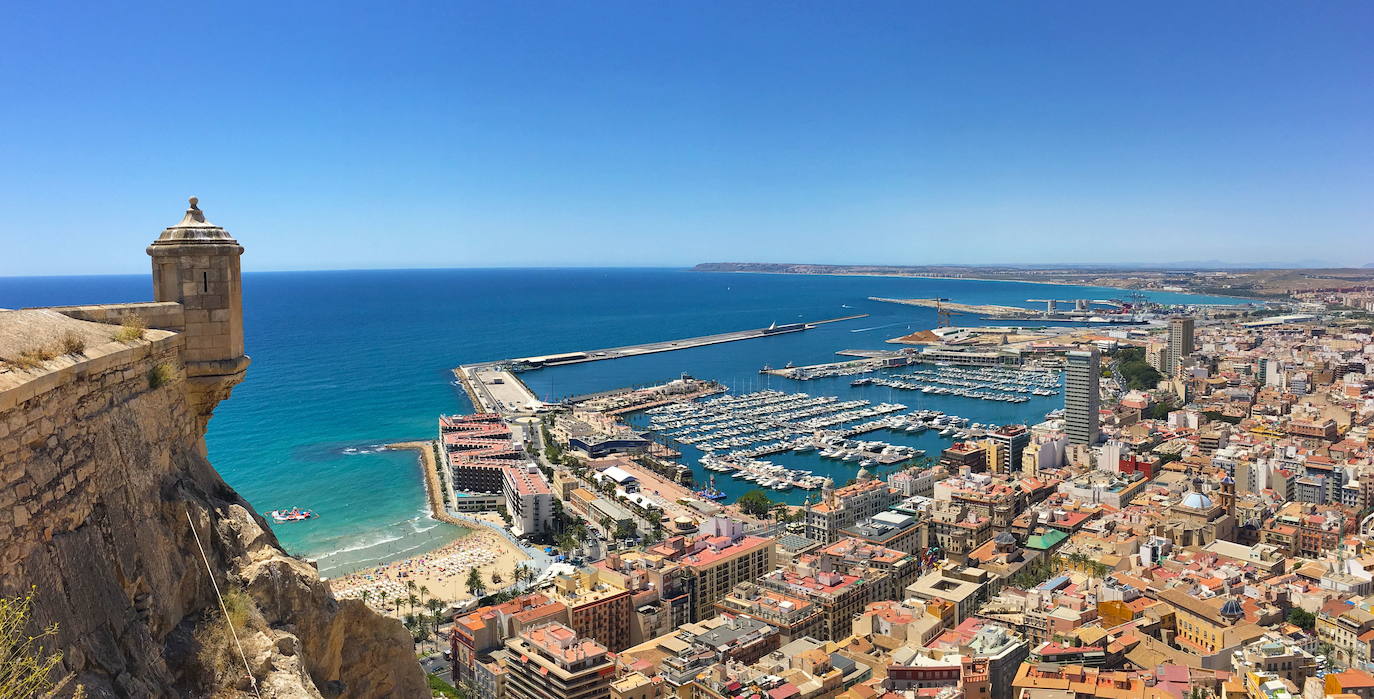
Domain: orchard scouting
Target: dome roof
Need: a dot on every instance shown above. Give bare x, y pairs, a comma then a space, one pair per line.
194, 229
1197, 501
863, 474
1232, 608
1005, 538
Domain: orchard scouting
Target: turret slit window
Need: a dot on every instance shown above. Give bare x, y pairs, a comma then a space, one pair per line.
205, 282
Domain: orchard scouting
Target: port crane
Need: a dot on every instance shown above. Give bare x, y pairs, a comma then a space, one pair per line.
943, 316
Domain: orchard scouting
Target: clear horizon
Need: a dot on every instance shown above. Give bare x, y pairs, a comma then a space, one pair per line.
346, 136
1068, 267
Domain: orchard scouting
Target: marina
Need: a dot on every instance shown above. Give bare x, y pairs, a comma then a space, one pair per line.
982, 383
734, 432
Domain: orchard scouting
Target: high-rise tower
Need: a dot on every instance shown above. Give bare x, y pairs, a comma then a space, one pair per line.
1180, 343
1081, 396
196, 264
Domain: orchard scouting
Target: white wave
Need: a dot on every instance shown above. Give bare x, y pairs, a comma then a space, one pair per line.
396, 555
359, 547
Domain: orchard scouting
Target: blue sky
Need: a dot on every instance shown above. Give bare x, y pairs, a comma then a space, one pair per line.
348, 135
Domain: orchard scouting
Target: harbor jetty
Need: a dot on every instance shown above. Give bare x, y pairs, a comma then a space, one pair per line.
434, 486
549, 360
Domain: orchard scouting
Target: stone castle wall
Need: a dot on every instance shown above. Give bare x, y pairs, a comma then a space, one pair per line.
164, 315
100, 464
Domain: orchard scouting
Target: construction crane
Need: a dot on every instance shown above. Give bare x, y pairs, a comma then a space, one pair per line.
943, 315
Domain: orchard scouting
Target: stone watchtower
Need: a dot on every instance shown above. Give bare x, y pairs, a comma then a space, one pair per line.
196, 264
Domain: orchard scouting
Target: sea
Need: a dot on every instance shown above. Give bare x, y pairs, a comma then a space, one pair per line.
345, 362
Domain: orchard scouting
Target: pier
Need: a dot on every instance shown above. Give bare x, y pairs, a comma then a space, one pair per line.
550, 360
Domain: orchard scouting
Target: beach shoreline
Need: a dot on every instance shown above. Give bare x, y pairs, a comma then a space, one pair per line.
439, 574
443, 571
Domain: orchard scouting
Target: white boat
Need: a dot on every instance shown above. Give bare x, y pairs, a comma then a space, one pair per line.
294, 514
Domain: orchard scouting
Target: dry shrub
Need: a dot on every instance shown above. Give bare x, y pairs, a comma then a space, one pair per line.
133, 328
28, 668
217, 653
160, 375
73, 343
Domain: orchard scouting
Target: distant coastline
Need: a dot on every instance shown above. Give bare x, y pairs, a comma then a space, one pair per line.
841, 272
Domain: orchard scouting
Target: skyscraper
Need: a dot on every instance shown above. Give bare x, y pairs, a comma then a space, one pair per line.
1180, 343
1081, 397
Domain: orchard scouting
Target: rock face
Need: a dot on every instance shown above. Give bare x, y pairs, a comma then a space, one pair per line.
104, 490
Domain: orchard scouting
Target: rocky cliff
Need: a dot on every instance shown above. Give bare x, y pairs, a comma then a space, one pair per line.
104, 491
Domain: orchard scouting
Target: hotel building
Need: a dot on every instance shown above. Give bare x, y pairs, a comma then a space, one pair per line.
552, 662
529, 500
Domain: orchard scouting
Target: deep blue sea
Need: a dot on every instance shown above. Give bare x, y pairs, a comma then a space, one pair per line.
346, 361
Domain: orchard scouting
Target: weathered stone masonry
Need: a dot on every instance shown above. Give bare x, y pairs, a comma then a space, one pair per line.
101, 460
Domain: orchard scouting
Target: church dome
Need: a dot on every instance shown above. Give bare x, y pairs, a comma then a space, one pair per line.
1232, 609
1197, 501
1006, 538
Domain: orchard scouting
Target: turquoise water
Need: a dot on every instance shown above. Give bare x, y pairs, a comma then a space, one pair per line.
344, 362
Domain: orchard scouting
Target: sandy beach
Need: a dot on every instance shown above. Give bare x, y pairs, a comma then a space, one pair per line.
443, 572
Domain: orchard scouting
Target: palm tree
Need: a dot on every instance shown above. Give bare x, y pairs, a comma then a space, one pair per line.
413, 600
365, 594
495, 577
438, 617
382, 598
436, 609
424, 592
475, 584
566, 542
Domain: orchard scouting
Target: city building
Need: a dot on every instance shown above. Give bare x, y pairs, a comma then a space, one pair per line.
793, 616
964, 456
485, 630
716, 560
478, 446
964, 588
1180, 343
529, 500
838, 596
598, 607
893, 530
552, 662
845, 507
1010, 442
1082, 396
